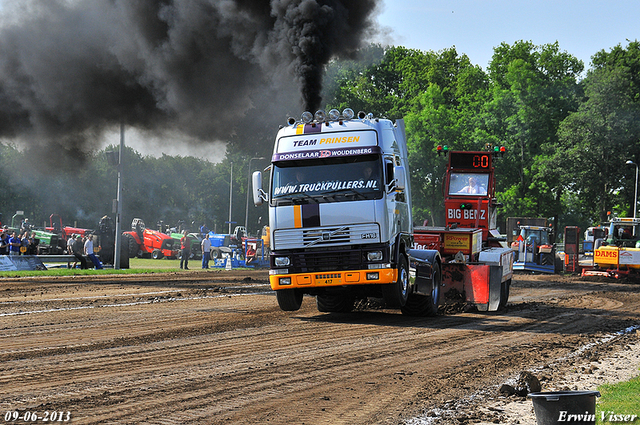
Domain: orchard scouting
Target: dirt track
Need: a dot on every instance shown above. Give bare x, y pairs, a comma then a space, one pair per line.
213, 347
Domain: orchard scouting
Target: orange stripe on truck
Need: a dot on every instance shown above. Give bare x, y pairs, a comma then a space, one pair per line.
297, 216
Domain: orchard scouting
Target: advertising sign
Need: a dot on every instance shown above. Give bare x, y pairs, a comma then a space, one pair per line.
328, 140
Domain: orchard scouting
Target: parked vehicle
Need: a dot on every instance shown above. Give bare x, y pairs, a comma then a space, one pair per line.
619, 254
195, 244
147, 243
535, 250
49, 242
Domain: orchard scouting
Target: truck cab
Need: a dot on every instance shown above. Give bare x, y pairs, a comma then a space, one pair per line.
339, 210
619, 253
624, 232
470, 195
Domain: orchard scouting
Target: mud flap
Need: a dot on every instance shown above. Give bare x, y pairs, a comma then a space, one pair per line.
480, 284
495, 288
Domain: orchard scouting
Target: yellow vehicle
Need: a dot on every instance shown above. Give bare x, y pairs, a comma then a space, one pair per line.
618, 254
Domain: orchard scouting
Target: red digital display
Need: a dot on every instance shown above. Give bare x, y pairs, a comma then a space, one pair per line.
470, 160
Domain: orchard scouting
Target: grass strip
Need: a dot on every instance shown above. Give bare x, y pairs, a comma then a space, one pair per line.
619, 403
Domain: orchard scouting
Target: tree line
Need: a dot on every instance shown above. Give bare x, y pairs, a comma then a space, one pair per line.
568, 134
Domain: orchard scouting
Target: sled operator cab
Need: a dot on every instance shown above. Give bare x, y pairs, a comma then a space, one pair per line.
470, 193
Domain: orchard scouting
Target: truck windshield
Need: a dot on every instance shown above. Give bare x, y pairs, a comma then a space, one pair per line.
327, 180
468, 184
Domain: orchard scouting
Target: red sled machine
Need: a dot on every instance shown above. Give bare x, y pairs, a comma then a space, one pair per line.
477, 264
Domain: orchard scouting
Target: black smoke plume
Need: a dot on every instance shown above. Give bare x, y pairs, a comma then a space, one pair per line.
71, 69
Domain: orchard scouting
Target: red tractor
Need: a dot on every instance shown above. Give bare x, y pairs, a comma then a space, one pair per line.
55, 226
143, 242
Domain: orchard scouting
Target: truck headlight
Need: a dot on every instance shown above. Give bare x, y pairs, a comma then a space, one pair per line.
281, 261
285, 281
374, 256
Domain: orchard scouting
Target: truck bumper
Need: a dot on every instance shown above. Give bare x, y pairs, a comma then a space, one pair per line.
333, 278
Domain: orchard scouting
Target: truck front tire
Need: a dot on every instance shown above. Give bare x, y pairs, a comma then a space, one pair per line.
289, 299
335, 303
425, 305
396, 294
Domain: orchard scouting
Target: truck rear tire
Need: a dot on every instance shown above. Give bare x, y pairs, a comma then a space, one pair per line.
396, 294
425, 305
335, 303
289, 299
504, 293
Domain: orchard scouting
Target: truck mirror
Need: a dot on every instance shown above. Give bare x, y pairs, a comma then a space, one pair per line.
398, 172
258, 194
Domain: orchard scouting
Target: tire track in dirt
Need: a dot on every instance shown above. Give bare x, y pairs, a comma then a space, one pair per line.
241, 360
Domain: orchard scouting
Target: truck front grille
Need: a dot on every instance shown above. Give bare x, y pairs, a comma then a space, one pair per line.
327, 261
326, 236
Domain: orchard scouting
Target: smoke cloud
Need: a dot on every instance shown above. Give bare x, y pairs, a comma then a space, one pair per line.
70, 69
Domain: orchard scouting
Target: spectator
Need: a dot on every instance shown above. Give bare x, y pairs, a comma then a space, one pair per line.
76, 249
251, 253
70, 242
185, 246
25, 225
32, 248
206, 252
4, 243
14, 244
88, 251
24, 242
204, 231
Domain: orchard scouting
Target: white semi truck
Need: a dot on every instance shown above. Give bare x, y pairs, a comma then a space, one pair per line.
340, 215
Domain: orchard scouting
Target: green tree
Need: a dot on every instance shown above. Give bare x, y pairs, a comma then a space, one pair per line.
535, 88
439, 93
595, 143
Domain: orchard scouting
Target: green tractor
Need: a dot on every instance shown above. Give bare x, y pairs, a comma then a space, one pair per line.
50, 243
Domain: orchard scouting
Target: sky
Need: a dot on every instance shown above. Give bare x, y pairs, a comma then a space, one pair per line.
475, 27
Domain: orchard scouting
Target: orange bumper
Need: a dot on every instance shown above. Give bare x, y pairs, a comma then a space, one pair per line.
333, 278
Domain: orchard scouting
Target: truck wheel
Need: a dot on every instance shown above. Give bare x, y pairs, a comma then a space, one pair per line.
422, 305
332, 303
215, 254
504, 293
289, 299
395, 294
156, 254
